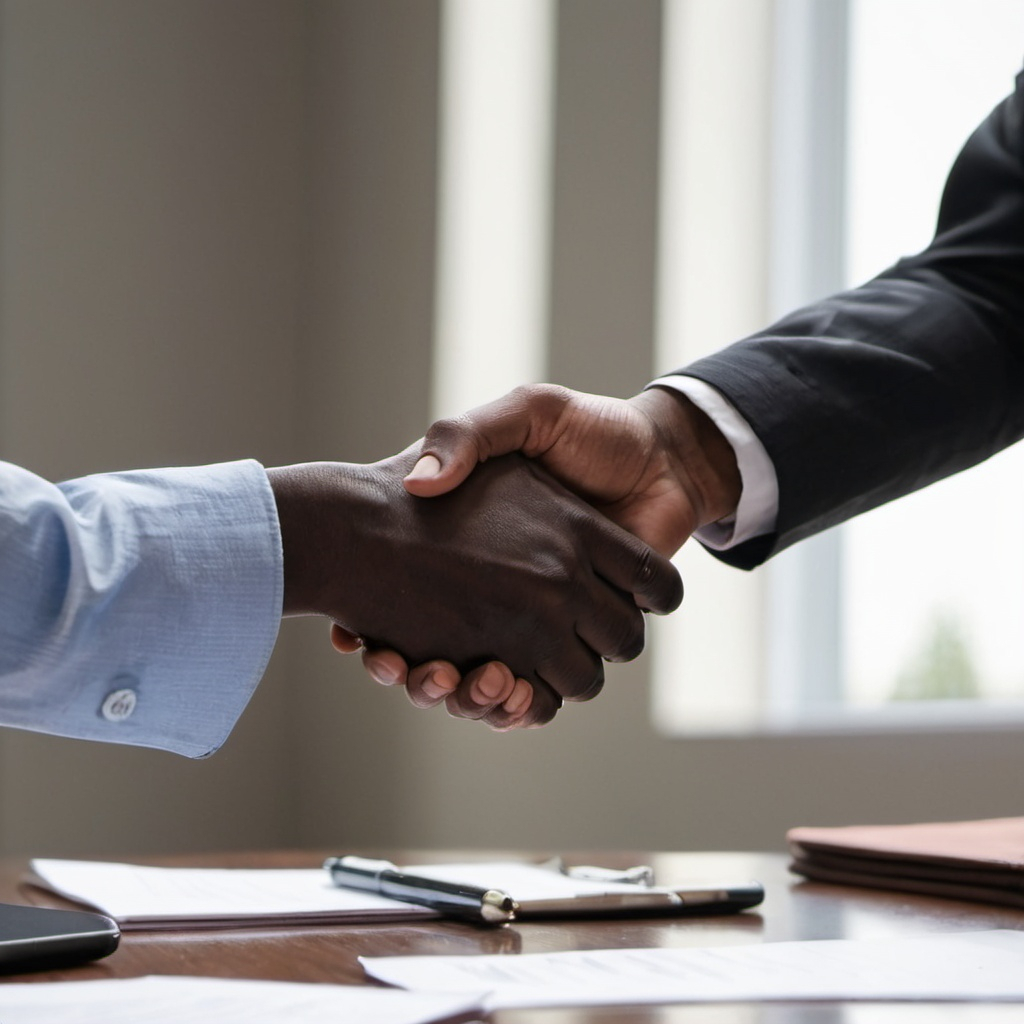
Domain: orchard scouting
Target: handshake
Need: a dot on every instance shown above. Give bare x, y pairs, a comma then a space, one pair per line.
496, 564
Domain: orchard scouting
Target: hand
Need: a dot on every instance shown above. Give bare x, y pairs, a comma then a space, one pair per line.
654, 464
510, 568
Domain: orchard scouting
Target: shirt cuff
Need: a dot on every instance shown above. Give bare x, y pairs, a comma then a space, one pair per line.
171, 606
759, 500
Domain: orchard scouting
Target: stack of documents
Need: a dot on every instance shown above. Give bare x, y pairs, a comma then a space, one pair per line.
971, 860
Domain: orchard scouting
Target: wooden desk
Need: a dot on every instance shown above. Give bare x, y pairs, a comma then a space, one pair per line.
792, 910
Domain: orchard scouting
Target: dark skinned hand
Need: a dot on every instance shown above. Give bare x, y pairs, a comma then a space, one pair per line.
509, 577
654, 464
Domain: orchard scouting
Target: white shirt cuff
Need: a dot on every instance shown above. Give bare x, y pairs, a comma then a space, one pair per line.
759, 500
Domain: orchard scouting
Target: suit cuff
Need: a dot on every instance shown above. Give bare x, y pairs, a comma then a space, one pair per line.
759, 500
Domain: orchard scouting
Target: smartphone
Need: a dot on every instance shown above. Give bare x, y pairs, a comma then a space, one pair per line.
38, 938
651, 901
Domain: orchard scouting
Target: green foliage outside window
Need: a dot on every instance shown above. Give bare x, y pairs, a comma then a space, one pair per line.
942, 668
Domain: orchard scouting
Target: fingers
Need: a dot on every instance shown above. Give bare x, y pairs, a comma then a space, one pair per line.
630, 565
489, 693
576, 675
514, 710
481, 691
493, 695
518, 711
531, 705
657, 585
613, 628
520, 421
431, 683
385, 667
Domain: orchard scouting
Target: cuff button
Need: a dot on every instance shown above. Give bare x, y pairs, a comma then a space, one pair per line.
119, 705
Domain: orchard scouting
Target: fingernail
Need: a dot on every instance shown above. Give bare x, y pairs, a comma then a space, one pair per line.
487, 689
432, 688
385, 674
519, 699
426, 469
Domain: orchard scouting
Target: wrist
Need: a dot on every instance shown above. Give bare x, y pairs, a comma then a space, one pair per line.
700, 453
299, 495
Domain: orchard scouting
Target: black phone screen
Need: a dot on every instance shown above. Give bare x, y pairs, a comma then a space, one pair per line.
37, 938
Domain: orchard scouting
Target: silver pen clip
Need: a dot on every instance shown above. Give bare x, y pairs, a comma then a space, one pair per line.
640, 874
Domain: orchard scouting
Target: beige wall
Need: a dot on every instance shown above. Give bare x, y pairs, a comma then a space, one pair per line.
150, 196
217, 241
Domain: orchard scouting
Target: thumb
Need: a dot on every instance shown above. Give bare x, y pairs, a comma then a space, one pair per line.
453, 447
443, 464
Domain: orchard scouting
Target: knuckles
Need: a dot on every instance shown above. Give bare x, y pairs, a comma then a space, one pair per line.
658, 581
545, 399
577, 684
451, 434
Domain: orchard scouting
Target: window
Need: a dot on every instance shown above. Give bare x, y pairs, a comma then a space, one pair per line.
932, 585
493, 207
866, 104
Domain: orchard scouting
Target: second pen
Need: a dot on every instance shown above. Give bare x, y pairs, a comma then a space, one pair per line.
485, 906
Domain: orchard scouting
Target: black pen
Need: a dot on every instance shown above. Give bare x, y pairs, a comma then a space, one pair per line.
486, 906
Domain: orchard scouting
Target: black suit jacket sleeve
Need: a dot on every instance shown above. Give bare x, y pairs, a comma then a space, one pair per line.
917, 374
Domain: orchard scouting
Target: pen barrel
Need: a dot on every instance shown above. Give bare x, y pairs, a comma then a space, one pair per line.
491, 906
437, 895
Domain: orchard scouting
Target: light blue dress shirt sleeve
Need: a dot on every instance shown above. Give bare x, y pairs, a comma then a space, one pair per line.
137, 607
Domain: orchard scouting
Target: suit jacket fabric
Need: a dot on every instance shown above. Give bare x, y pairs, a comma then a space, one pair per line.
137, 607
880, 390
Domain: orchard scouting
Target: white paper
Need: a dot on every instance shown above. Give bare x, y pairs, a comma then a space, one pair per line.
148, 897
137, 896
957, 966
174, 1000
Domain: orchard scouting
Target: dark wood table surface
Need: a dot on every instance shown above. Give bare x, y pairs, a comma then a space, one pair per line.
793, 909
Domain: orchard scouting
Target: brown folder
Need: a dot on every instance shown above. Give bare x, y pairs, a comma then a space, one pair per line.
968, 860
